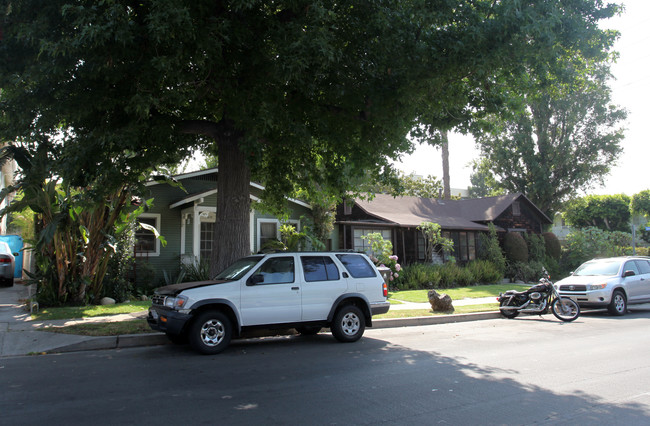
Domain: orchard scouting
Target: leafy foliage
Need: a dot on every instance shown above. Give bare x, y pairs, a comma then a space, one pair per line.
434, 242
640, 203
590, 242
291, 94
607, 212
78, 229
552, 245
427, 276
515, 247
490, 250
536, 247
559, 133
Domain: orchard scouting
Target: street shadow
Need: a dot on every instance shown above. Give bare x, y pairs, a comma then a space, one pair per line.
313, 380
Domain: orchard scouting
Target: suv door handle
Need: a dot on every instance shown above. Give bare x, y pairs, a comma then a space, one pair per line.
295, 288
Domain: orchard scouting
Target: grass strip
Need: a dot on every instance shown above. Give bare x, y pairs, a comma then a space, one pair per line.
410, 313
74, 312
421, 296
138, 326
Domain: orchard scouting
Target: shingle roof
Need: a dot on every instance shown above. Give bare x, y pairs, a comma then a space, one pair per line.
449, 214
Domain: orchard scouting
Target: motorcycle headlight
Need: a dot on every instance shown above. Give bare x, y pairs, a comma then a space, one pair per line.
175, 302
596, 286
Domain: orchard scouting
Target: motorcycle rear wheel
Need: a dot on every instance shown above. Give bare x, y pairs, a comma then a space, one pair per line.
509, 313
565, 309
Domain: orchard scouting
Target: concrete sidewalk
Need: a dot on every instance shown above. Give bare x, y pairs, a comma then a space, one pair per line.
19, 335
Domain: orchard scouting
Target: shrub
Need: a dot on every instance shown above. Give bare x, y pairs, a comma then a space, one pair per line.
418, 276
524, 271
485, 272
117, 283
515, 247
490, 250
536, 247
552, 245
588, 243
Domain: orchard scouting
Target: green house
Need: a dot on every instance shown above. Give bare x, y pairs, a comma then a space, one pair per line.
186, 216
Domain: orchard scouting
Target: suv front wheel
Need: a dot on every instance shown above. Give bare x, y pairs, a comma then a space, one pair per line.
349, 324
618, 305
210, 332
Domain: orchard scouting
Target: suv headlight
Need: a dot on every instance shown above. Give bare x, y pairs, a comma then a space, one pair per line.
175, 302
596, 286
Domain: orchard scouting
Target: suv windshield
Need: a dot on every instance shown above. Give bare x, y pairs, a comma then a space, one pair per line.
238, 269
603, 267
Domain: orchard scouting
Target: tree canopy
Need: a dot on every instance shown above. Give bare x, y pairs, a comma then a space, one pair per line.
291, 93
606, 212
559, 134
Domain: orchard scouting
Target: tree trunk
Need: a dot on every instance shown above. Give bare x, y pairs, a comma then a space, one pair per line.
232, 227
445, 165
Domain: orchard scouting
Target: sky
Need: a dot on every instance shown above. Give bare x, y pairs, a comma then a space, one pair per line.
631, 90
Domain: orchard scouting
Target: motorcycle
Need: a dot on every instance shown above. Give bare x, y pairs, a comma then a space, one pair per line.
537, 300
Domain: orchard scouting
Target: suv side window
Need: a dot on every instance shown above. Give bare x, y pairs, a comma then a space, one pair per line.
319, 268
277, 270
631, 266
357, 265
644, 266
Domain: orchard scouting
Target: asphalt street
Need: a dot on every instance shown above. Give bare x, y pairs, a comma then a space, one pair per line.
531, 370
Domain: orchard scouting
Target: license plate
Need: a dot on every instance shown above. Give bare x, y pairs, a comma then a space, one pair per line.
154, 314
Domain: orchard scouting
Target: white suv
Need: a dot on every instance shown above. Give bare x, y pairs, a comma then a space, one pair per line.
306, 291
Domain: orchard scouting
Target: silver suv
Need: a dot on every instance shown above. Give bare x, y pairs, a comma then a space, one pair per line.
610, 283
306, 291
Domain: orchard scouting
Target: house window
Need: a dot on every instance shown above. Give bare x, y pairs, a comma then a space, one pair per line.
146, 243
362, 244
268, 231
421, 246
207, 235
464, 245
516, 210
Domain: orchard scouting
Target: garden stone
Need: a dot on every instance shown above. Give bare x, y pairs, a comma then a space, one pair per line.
107, 301
440, 302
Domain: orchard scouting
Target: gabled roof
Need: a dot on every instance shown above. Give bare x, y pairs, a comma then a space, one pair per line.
212, 174
469, 214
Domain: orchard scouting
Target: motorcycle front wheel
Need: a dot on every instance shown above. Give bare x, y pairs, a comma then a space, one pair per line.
565, 309
508, 313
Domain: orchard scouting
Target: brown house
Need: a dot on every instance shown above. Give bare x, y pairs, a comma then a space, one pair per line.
397, 219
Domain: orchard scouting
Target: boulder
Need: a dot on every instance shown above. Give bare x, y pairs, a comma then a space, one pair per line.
440, 302
107, 301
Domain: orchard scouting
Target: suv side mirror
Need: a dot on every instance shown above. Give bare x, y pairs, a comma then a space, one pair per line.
628, 273
255, 279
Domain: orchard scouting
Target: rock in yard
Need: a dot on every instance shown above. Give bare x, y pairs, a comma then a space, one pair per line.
440, 302
107, 301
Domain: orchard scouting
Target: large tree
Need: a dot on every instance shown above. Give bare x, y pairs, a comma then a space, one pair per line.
558, 134
291, 93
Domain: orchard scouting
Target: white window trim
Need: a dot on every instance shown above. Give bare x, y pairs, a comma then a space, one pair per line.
155, 216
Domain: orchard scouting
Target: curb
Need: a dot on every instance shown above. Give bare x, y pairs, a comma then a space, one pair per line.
156, 339
442, 319
114, 342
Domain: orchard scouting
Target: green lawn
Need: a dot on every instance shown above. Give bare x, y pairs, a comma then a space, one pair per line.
420, 296
73, 312
409, 313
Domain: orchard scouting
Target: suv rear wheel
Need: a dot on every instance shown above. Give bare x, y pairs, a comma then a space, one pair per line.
210, 332
349, 324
